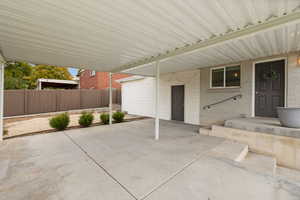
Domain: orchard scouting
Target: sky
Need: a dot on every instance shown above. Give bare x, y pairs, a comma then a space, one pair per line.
73, 71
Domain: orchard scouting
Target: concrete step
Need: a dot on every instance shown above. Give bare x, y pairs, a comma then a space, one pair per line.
230, 150
262, 125
204, 131
282, 147
260, 163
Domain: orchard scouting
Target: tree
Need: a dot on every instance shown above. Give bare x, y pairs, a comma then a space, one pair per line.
21, 75
17, 75
48, 72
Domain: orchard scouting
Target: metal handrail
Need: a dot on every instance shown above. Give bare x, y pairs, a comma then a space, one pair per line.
239, 96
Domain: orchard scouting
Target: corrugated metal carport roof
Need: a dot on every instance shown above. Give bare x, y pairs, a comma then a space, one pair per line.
273, 42
114, 35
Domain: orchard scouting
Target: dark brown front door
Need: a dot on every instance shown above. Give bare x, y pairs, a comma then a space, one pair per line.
269, 88
178, 102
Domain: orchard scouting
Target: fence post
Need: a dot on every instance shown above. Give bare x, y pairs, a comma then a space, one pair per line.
80, 98
25, 101
57, 93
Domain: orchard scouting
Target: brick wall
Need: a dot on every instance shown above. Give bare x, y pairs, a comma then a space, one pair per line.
104, 79
87, 81
100, 80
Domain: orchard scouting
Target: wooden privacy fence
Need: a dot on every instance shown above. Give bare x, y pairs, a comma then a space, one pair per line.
24, 102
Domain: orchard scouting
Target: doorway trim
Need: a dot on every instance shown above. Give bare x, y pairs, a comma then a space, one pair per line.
285, 58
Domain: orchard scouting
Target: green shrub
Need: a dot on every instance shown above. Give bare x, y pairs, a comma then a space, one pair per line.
86, 119
118, 116
104, 118
60, 122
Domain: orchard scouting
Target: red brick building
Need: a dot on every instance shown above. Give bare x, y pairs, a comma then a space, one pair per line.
90, 79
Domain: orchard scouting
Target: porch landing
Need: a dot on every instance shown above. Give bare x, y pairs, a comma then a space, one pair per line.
264, 136
263, 125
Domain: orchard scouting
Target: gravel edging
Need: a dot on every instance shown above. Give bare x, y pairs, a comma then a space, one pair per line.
69, 128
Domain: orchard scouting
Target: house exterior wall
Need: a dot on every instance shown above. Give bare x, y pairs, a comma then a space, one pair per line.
293, 81
100, 80
245, 107
138, 97
104, 79
87, 81
230, 109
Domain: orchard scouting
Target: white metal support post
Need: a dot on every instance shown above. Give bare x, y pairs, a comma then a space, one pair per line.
1, 98
39, 87
110, 98
157, 102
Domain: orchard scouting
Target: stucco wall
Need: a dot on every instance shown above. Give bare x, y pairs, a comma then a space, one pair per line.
138, 97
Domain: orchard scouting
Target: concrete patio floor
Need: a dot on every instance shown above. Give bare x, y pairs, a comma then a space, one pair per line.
122, 161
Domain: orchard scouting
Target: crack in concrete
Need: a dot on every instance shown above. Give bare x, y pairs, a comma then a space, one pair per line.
174, 175
100, 166
164, 182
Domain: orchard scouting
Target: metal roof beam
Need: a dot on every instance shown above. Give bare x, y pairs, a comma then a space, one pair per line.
270, 23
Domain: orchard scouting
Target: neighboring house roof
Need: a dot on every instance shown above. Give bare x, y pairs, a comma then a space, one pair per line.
79, 72
58, 81
131, 78
75, 78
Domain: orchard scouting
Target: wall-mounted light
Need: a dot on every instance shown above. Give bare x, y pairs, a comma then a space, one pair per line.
298, 60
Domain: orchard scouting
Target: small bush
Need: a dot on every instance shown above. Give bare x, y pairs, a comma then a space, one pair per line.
60, 122
86, 119
118, 116
104, 118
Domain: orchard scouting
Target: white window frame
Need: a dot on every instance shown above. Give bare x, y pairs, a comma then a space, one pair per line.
224, 84
93, 73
